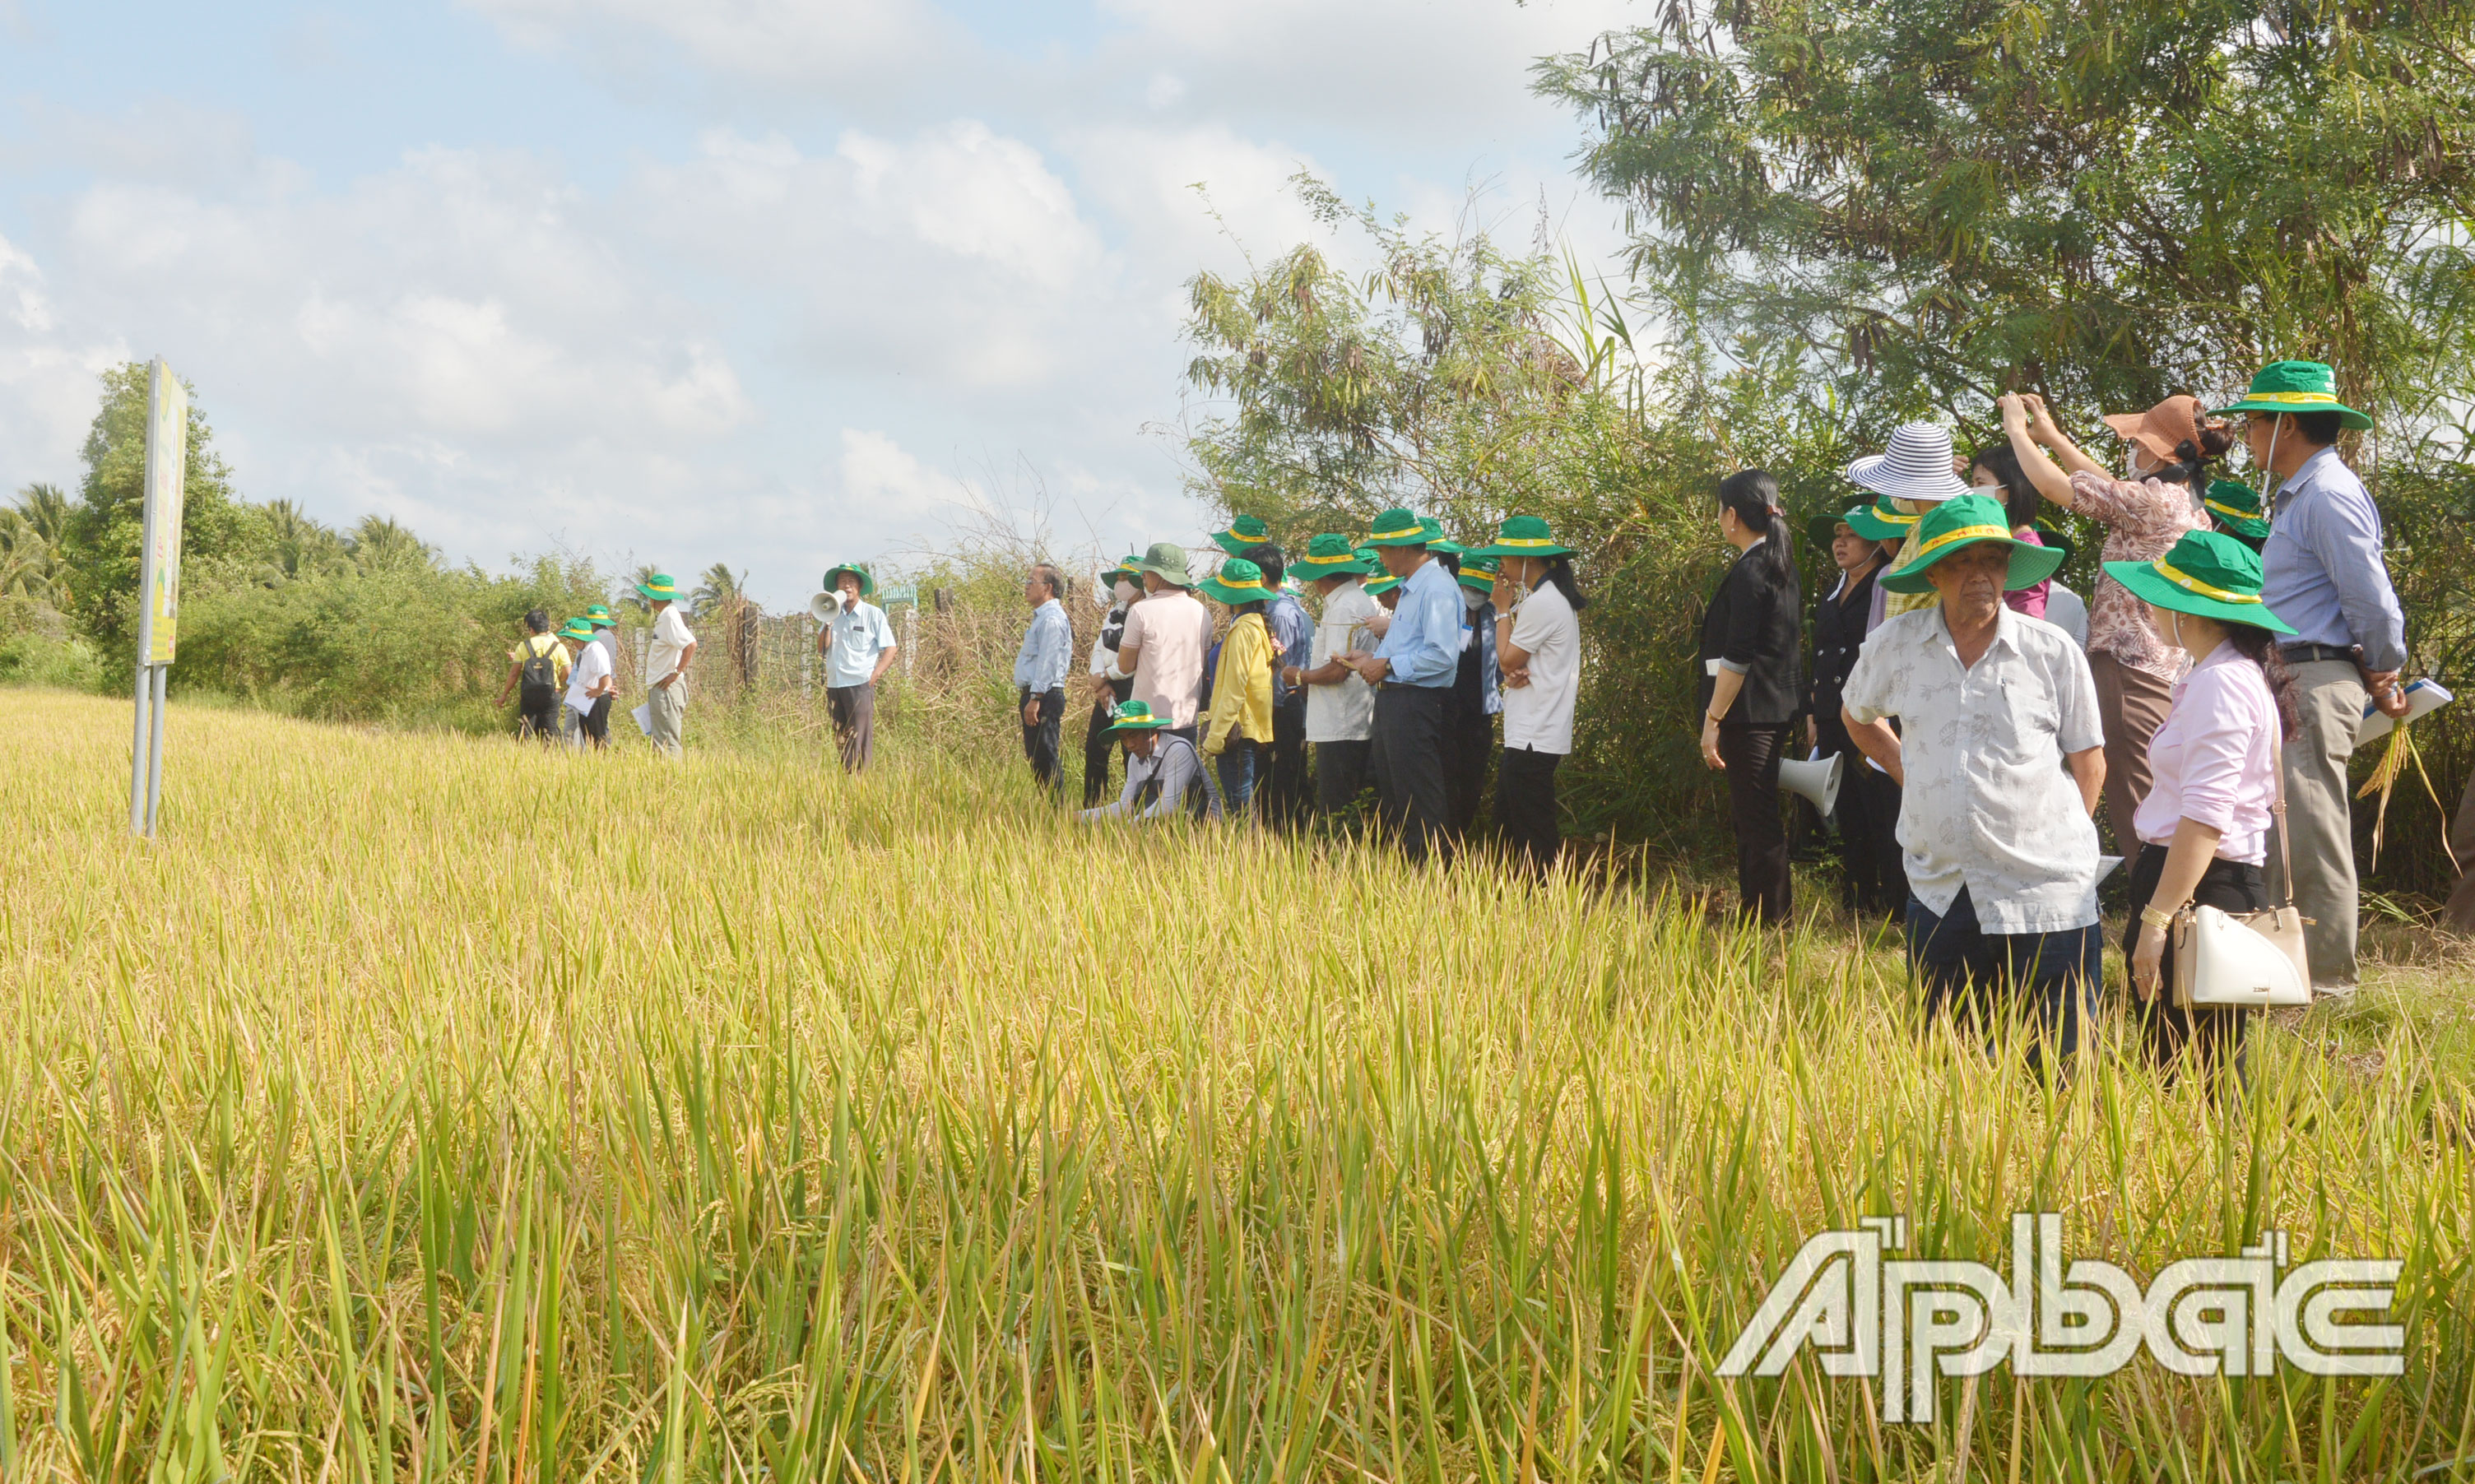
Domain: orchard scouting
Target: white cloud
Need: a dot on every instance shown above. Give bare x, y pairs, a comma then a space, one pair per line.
866, 45
874, 468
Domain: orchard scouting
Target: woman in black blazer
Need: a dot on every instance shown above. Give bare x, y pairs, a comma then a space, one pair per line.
1750, 691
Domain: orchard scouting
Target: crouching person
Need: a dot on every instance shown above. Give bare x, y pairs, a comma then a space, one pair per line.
2001, 764
1164, 772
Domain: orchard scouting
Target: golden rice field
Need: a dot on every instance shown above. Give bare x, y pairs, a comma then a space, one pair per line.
427, 1109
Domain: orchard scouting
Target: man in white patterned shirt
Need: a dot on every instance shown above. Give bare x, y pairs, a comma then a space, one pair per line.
2001, 760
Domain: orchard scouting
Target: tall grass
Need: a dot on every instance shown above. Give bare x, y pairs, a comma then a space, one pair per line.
442, 1110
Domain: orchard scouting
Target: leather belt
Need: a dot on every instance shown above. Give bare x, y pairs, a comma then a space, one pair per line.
2306, 654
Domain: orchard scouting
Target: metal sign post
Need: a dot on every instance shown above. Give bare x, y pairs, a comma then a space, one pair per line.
159, 588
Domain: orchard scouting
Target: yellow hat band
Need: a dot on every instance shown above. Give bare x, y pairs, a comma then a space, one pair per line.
1953, 537
1894, 517
1241, 587
1407, 530
2192, 584
2297, 399
2230, 511
1326, 561
1524, 541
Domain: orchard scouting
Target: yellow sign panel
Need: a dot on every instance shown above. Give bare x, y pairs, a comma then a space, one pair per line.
168, 459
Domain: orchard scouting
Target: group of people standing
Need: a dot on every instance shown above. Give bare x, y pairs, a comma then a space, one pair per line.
1416, 645
2232, 649
564, 680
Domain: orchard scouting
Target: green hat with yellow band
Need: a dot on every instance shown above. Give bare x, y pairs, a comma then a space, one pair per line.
1963, 521
1238, 581
1330, 556
1438, 542
659, 587
2298, 386
1399, 527
1248, 530
599, 616
1881, 521
580, 629
1479, 572
2208, 573
866, 583
1136, 716
1522, 535
1376, 587
1129, 567
2236, 506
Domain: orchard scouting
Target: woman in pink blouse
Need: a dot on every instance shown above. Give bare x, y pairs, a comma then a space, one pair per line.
2204, 826
2167, 451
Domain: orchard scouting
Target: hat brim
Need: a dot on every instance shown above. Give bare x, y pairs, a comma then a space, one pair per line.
1314, 572
671, 597
1142, 725
1233, 544
1500, 550
1381, 585
2150, 584
1873, 527
2133, 427
1214, 587
1476, 578
2056, 541
2347, 417
1874, 473
2029, 566
1416, 537
866, 583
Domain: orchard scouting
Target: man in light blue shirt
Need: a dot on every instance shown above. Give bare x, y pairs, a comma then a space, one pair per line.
1040, 670
1413, 670
858, 646
2324, 574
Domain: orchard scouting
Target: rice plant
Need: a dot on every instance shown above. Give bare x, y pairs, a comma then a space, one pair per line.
429, 1108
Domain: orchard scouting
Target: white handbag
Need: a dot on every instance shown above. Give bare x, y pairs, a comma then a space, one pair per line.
2242, 960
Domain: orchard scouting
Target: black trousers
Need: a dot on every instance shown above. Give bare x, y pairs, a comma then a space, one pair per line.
1469, 745
597, 722
1409, 767
2212, 1036
1752, 752
1340, 773
1525, 806
1039, 739
1868, 817
1098, 745
2048, 977
1281, 770
538, 713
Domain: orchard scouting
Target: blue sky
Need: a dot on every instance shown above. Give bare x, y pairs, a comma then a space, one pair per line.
769, 282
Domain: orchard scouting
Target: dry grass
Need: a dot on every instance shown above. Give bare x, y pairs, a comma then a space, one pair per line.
433, 1109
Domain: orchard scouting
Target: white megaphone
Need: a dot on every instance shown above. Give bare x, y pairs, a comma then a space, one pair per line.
1816, 779
823, 606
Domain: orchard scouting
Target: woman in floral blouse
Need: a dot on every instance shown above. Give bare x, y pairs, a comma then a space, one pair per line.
2167, 451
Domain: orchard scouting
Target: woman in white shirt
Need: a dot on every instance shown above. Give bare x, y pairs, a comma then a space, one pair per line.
1538, 646
2203, 825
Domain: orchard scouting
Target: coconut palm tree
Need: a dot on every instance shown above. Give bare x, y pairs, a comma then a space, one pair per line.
714, 589
378, 544
300, 547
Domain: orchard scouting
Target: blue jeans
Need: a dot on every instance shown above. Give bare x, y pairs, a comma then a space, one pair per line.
2047, 979
1236, 766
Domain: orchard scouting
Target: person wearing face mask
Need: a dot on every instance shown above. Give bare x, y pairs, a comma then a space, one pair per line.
1867, 812
1748, 686
2167, 450
1124, 583
2001, 762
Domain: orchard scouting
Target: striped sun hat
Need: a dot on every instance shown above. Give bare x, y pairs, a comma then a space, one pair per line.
1916, 465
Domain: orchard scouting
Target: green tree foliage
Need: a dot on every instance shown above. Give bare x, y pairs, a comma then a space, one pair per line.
100, 544
1930, 201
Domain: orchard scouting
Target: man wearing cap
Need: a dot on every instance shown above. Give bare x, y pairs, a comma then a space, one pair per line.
1164, 772
1340, 705
666, 666
1282, 783
590, 683
1039, 669
1166, 634
1413, 668
2001, 762
2324, 573
858, 647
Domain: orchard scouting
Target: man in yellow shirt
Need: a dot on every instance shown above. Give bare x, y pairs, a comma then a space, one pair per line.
539, 664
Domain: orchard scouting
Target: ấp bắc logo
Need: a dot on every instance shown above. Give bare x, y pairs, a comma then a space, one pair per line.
1912, 1321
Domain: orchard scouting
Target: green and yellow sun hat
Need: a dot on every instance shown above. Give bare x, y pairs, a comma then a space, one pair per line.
1963, 521
1129, 567
580, 629
599, 616
1522, 535
1330, 556
1238, 581
1479, 572
2298, 386
659, 587
2208, 573
1820, 530
1881, 521
1399, 527
2236, 506
1136, 716
1376, 587
866, 583
1246, 531
1438, 542
2056, 538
